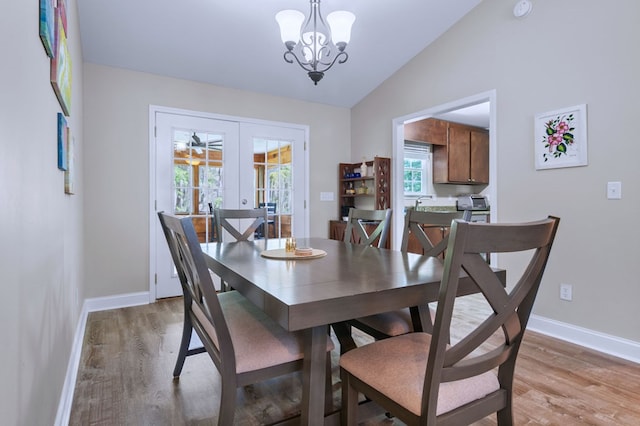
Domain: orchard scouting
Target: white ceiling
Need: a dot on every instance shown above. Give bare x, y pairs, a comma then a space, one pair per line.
474, 115
236, 43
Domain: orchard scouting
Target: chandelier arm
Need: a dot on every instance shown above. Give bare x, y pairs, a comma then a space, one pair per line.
341, 58
305, 65
330, 64
287, 60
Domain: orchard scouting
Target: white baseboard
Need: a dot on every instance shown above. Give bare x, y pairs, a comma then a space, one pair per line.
117, 301
601, 342
90, 305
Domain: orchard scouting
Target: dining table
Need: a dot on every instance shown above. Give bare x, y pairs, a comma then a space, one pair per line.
309, 293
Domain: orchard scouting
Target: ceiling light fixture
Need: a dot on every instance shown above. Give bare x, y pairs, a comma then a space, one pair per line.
315, 45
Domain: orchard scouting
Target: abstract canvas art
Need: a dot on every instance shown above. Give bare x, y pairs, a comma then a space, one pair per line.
63, 137
47, 25
61, 64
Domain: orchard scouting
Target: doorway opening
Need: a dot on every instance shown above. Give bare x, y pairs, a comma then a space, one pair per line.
477, 110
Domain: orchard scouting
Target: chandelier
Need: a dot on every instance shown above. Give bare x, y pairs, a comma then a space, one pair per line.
315, 46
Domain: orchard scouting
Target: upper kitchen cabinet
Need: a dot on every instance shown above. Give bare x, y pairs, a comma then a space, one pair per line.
429, 130
464, 159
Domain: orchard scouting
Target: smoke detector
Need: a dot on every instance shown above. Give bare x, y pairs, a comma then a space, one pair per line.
522, 8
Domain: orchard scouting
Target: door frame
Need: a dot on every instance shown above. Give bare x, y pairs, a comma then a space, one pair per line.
153, 219
397, 168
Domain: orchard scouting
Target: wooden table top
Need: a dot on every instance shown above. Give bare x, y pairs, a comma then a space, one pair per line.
351, 281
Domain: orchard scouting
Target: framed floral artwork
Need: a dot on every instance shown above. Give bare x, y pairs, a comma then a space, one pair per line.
561, 138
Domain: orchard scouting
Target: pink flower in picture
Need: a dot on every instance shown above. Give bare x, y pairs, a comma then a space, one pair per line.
562, 127
558, 136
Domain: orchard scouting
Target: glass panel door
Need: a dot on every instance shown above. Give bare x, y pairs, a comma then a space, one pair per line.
204, 163
189, 176
278, 181
197, 177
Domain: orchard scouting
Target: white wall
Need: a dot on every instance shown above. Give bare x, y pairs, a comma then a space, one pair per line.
117, 158
41, 252
567, 52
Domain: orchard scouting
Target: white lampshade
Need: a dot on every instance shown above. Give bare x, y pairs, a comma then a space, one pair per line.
290, 22
340, 23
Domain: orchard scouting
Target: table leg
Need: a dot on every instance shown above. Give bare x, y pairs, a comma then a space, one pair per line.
313, 379
421, 318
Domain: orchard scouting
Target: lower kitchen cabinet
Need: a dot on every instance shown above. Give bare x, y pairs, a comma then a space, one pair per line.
435, 235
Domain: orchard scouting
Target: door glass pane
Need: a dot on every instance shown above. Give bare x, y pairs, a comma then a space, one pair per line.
273, 177
197, 177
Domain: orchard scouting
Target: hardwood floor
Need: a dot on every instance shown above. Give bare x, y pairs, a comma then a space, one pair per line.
125, 378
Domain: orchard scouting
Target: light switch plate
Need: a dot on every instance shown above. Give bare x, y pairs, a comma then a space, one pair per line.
326, 196
614, 190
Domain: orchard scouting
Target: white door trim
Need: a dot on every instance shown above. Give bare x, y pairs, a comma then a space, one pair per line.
153, 109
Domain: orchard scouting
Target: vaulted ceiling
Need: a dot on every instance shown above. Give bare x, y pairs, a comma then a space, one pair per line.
236, 43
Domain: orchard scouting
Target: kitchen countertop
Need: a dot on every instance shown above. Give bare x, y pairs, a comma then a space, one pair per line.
447, 209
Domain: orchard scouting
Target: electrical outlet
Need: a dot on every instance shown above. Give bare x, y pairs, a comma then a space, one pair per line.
566, 292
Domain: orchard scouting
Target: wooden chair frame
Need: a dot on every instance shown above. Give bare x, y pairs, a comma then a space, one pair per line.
357, 234
444, 363
222, 216
409, 319
204, 312
413, 221
221, 222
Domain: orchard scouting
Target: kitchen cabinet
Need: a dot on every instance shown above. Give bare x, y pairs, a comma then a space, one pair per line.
465, 157
429, 130
377, 183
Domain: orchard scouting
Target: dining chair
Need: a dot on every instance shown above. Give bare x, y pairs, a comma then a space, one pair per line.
422, 379
270, 224
245, 345
222, 221
407, 320
356, 232
242, 232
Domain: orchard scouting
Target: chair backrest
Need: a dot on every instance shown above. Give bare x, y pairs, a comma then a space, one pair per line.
198, 289
222, 216
356, 232
510, 309
271, 207
413, 224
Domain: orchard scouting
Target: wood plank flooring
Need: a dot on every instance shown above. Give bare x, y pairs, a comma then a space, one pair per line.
125, 378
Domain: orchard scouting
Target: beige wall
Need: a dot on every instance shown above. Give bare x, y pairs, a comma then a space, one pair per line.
40, 227
117, 162
567, 52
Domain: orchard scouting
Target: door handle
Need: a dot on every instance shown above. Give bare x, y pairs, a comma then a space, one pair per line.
244, 201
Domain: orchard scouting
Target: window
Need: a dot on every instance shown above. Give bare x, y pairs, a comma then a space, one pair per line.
417, 169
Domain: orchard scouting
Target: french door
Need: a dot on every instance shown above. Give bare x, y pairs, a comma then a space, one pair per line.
203, 163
